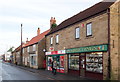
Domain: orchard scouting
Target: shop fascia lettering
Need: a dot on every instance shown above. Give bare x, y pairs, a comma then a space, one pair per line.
55, 52
88, 49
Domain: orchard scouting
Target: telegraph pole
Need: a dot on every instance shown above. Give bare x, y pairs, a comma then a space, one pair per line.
21, 46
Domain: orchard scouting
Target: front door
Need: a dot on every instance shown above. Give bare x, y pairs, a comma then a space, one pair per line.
82, 65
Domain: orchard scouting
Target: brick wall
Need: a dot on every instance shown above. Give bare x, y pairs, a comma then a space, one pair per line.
114, 40
67, 37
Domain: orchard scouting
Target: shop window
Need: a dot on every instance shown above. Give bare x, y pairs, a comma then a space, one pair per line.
74, 62
94, 62
57, 39
89, 29
51, 40
50, 61
77, 33
62, 61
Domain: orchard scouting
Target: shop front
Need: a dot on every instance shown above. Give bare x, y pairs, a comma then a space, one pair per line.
87, 61
55, 56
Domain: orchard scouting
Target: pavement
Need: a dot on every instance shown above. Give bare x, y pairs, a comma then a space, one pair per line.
49, 75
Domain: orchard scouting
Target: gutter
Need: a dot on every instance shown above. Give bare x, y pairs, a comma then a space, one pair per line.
109, 58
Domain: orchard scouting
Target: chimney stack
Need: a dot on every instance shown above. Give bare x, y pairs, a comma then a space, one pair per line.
52, 21
38, 31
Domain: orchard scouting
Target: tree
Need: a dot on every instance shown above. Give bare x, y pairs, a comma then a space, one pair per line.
53, 25
11, 49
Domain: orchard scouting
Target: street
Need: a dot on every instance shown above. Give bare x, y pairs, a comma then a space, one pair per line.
8, 72
12, 72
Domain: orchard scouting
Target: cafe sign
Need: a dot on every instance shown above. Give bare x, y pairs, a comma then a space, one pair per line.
88, 49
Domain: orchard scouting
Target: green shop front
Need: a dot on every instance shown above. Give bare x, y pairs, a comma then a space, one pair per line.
87, 61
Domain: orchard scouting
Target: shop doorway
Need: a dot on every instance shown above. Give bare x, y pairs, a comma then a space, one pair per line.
74, 64
82, 65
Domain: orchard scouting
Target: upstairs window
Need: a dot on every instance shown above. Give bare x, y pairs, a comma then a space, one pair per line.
23, 50
89, 29
77, 33
28, 49
57, 39
51, 40
34, 47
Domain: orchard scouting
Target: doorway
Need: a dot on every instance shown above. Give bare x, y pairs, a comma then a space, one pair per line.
82, 65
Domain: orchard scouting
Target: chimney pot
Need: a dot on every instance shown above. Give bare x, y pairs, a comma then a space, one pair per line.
27, 40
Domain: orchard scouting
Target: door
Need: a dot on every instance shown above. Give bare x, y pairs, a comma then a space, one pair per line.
74, 63
31, 60
82, 65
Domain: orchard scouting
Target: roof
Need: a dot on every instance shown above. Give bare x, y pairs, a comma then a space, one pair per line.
19, 47
37, 38
95, 9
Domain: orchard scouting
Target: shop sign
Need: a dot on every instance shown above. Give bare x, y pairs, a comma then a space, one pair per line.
51, 49
88, 49
55, 52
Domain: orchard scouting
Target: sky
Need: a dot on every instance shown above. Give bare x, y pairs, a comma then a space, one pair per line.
33, 14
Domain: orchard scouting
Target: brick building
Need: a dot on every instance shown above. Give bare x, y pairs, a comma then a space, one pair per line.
86, 44
33, 54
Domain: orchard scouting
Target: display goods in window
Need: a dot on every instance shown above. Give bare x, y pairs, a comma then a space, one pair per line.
94, 62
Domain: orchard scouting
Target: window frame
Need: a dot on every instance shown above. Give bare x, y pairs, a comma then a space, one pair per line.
28, 49
57, 39
87, 29
51, 40
76, 33
23, 50
34, 47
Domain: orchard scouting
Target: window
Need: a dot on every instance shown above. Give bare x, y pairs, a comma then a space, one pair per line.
77, 33
74, 62
89, 29
57, 38
28, 49
51, 40
23, 50
94, 62
34, 47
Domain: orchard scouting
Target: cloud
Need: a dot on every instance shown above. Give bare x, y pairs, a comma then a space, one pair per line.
34, 14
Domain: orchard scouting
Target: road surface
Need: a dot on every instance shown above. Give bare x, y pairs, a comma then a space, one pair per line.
8, 72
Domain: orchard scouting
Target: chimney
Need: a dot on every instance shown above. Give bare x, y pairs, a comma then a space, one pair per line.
27, 40
38, 31
52, 21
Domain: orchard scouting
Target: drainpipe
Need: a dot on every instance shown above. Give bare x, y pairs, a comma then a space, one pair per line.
109, 58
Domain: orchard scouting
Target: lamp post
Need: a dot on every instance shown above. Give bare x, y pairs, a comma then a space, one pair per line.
21, 46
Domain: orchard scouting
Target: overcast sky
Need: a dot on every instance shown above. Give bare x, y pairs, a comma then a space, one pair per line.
33, 14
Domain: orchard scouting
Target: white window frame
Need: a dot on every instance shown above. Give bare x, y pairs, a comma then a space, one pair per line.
51, 40
28, 49
77, 33
57, 38
89, 29
34, 47
23, 50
